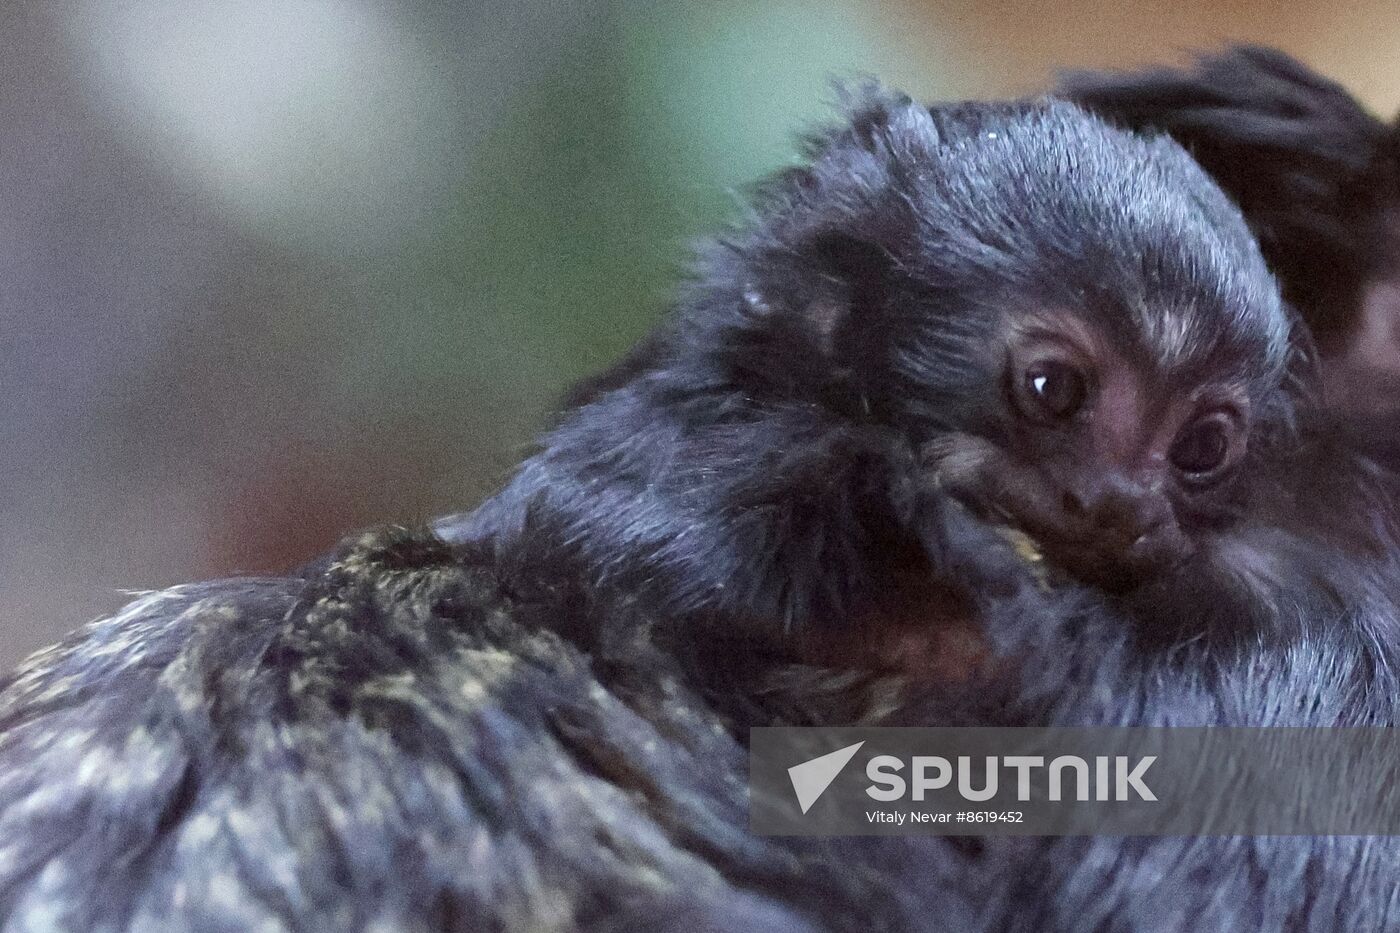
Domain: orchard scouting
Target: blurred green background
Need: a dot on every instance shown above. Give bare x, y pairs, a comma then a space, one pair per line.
271, 270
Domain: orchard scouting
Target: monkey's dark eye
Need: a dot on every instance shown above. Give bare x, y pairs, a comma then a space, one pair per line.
1202, 447
1053, 389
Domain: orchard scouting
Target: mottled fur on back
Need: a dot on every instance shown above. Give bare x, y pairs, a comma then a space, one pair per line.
401, 741
394, 742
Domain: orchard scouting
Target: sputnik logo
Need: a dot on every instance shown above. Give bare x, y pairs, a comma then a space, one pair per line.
811, 778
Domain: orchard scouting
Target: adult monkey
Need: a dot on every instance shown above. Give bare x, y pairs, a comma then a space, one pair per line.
950, 319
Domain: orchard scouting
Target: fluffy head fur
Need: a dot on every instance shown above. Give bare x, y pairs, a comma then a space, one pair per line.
914, 234
1316, 174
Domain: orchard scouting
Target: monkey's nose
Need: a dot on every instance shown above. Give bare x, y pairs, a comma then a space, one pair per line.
1121, 514
1118, 534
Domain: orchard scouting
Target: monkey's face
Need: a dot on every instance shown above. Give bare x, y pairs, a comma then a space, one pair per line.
1072, 324
1113, 463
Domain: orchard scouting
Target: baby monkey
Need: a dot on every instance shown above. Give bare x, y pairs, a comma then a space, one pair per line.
952, 320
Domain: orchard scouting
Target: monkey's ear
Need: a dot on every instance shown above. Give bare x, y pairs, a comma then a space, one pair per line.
858, 274
822, 309
819, 268
1303, 374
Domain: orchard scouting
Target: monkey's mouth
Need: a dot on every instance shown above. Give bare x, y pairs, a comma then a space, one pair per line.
1103, 560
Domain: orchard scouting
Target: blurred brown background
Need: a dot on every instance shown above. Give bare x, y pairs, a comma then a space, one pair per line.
274, 269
